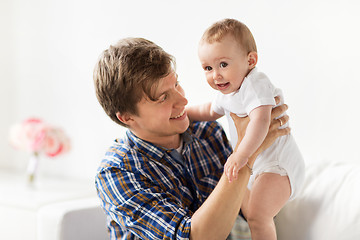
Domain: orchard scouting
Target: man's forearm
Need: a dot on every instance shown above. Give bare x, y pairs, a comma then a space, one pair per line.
215, 218
202, 112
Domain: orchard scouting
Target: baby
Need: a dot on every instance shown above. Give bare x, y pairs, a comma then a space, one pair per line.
228, 55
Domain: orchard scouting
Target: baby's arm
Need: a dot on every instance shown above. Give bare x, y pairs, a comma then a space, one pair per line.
255, 134
202, 112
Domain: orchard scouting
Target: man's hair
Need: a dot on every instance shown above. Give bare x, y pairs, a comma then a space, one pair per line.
127, 72
241, 33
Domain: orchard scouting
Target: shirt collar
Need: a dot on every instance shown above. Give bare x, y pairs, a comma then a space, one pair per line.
153, 150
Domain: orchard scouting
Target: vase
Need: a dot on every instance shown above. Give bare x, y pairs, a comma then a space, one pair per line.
32, 167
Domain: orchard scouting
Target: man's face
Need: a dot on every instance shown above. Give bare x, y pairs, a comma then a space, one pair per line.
161, 121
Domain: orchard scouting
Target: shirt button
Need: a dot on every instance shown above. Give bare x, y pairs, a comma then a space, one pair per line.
153, 203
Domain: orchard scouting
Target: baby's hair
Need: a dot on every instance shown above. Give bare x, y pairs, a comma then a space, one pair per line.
241, 33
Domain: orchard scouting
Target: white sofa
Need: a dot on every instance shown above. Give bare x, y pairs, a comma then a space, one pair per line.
77, 219
328, 207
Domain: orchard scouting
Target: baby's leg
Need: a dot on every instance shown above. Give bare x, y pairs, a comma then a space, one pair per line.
268, 195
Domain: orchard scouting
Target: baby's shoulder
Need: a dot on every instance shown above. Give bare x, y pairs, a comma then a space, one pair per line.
257, 77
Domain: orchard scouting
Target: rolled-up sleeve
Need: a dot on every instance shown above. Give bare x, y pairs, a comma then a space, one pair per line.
140, 207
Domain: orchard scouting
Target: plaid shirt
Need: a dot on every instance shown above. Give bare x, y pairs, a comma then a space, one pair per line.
149, 192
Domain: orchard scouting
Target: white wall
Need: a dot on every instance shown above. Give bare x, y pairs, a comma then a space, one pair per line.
7, 87
48, 48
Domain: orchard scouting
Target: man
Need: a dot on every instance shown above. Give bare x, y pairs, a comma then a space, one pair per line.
164, 179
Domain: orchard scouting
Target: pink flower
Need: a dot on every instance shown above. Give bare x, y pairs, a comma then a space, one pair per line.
34, 135
55, 142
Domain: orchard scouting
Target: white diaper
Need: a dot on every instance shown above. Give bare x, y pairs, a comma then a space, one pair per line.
276, 169
283, 158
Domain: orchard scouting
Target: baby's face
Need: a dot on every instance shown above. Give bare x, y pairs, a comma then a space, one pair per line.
225, 64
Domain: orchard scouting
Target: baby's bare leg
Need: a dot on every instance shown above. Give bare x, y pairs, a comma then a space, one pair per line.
268, 195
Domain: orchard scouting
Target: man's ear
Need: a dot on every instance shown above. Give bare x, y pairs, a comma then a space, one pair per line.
252, 59
124, 118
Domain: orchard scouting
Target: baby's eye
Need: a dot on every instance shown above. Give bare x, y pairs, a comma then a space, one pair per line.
207, 68
223, 64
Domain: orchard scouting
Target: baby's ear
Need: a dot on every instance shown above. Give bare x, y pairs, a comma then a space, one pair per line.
252, 59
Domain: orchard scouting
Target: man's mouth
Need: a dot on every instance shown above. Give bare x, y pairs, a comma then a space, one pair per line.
180, 115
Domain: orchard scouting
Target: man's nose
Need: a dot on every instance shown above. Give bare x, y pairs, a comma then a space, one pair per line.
180, 98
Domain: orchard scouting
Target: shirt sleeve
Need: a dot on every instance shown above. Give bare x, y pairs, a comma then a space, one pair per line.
140, 206
257, 91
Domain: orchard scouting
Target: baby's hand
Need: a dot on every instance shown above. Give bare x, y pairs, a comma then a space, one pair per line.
233, 165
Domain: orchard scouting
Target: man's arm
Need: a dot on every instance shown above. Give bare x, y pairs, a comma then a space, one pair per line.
202, 112
215, 218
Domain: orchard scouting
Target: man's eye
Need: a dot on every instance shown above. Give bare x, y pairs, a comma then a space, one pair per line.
163, 98
207, 68
223, 64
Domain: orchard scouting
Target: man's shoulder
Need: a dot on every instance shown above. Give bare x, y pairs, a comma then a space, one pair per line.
205, 129
210, 138
119, 152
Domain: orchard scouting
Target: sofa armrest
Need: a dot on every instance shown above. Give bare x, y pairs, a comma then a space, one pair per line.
76, 219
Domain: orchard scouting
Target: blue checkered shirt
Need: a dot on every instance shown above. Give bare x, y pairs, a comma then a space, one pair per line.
149, 192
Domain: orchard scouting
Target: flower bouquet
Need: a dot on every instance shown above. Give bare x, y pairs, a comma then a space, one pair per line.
38, 137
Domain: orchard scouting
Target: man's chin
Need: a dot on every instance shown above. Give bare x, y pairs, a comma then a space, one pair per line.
186, 124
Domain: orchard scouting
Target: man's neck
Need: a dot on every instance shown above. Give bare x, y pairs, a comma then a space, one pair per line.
170, 142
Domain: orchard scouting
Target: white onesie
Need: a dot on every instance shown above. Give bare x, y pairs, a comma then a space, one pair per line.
283, 157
